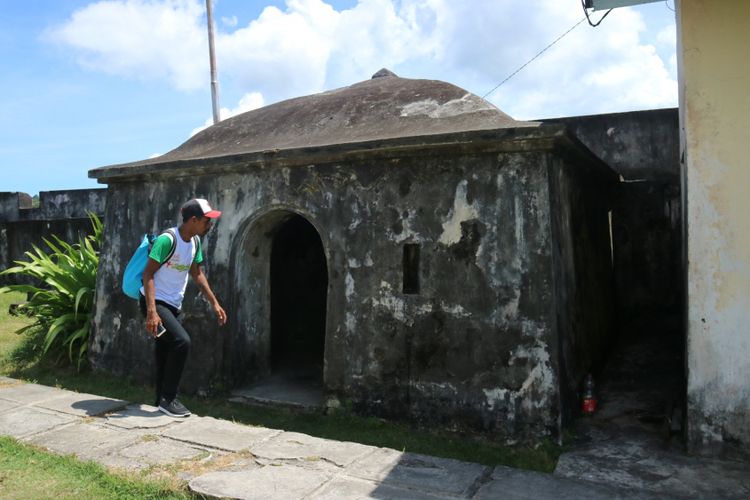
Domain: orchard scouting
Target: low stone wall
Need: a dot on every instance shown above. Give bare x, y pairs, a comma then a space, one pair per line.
60, 213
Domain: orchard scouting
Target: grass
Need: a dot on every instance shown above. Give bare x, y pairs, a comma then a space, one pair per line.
20, 362
9, 324
26, 472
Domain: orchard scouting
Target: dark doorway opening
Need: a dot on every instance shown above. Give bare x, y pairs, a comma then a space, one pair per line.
299, 284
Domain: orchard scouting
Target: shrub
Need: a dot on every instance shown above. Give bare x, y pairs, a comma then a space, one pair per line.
62, 302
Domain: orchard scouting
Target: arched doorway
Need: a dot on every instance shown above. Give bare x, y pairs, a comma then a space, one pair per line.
299, 283
277, 350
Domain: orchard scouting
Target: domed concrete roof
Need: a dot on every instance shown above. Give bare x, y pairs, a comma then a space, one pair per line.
383, 107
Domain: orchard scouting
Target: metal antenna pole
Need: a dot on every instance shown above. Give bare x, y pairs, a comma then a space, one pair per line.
212, 58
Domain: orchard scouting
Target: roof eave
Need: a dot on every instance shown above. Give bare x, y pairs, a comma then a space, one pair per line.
491, 140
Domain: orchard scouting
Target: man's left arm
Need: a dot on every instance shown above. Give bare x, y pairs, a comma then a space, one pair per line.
200, 279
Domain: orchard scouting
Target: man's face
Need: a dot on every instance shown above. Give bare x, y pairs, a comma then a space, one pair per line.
204, 225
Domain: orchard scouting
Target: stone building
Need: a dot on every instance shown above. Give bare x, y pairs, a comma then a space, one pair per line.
403, 243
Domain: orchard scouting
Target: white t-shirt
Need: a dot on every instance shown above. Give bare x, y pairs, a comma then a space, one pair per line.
171, 279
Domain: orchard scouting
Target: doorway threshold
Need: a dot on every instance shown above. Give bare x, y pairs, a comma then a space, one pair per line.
282, 391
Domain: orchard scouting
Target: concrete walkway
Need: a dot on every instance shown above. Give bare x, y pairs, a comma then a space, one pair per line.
228, 460
635, 438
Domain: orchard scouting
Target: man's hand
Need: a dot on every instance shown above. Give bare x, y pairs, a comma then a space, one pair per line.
220, 314
200, 279
152, 322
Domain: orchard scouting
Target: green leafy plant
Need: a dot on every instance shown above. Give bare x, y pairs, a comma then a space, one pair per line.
61, 302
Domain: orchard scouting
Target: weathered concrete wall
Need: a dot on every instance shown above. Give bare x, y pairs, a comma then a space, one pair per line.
647, 232
71, 204
638, 145
477, 346
12, 203
712, 52
60, 213
584, 300
643, 148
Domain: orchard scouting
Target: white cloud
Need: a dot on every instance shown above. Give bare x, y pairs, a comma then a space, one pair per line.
667, 39
230, 21
309, 46
590, 70
281, 54
668, 35
144, 39
248, 102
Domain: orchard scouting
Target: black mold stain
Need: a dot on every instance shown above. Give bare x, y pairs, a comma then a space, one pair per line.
471, 236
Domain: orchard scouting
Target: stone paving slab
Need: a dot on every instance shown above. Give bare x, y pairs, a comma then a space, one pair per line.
6, 405
421, 472
516, 484
25, 421
140, 416
81, 404
291, 465
631, 460
220, 434
151, 450
350, 488
29, 394
295, 446
86, 440
282, 482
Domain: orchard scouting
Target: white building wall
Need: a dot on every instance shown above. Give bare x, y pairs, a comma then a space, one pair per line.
713, 52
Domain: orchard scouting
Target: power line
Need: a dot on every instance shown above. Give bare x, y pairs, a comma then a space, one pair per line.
537, 55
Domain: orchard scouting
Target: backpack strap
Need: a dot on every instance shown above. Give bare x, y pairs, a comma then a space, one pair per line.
173, 236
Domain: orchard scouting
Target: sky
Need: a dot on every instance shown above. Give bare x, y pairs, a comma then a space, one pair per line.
88, 84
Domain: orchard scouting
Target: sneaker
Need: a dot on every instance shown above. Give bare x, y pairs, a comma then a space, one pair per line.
173, 408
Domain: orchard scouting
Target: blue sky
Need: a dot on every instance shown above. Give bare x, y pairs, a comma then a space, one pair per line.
87, 84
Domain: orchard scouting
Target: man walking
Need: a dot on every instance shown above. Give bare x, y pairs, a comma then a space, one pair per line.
164, 282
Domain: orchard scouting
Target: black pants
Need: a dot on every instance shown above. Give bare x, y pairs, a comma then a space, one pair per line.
172, 350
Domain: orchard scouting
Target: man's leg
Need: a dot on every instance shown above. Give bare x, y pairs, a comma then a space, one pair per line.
174, 345
160, 358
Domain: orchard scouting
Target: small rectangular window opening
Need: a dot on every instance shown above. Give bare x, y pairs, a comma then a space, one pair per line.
411, 268
611, 241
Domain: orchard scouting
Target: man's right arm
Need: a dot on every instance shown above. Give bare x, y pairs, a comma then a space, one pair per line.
152, 317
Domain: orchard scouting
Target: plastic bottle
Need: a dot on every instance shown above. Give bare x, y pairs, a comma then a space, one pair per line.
589, 402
